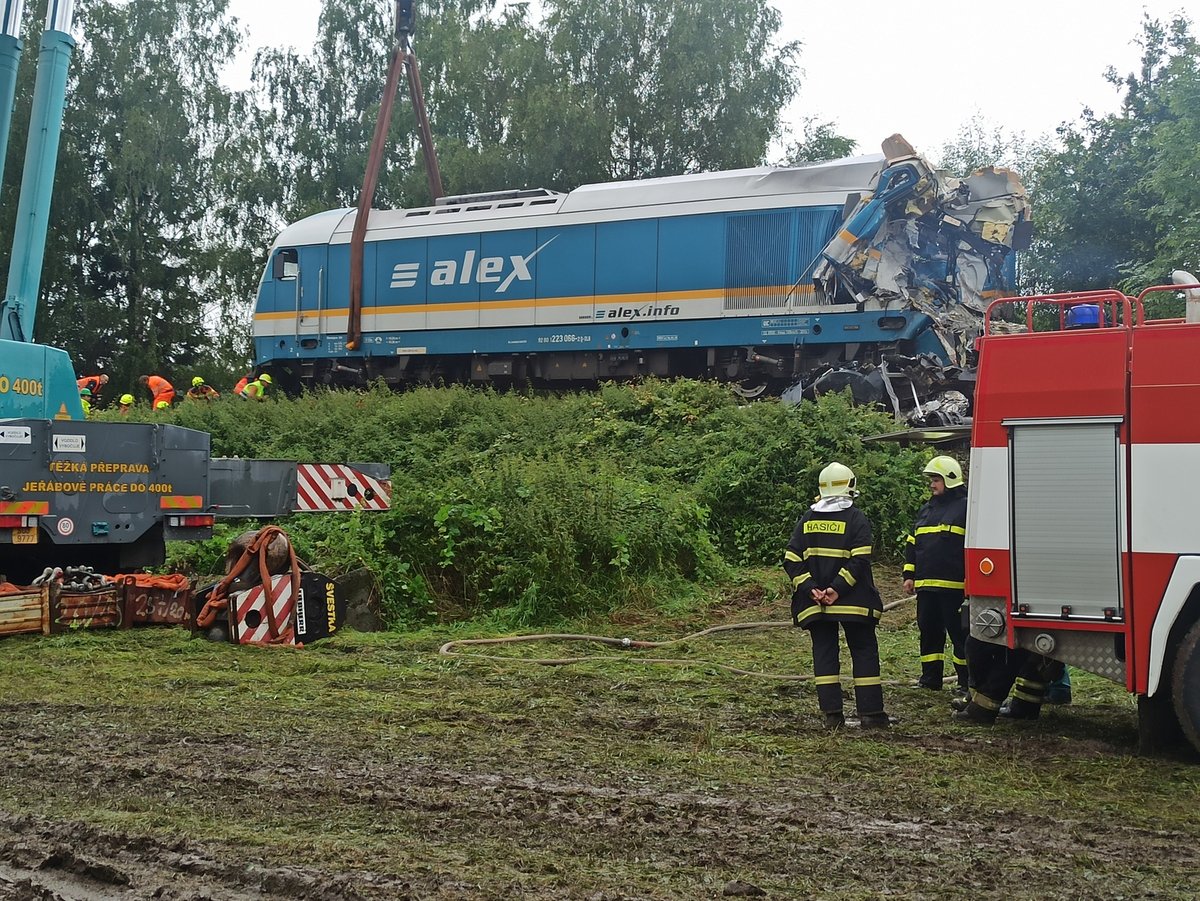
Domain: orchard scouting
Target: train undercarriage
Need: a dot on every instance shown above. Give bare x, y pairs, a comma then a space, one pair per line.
918, 388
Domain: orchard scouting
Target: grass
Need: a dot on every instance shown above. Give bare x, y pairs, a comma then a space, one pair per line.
605, 779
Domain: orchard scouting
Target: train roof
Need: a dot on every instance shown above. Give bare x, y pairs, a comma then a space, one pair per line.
826, 180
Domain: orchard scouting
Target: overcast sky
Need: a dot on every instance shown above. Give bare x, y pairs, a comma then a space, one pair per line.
922, 69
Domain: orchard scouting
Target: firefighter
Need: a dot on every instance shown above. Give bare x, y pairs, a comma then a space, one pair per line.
160, 390
257, 389
125, 404
85, 398
202, 391
93, 383
829, 562
934, 567
995, 669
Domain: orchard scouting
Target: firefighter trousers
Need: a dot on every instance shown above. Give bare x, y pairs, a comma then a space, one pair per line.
996, 670
938, 616
864, 654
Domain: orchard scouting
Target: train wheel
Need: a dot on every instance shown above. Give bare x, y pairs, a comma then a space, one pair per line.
1185, 685
749, 390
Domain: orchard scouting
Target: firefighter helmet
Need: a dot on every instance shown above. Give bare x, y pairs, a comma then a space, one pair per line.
947, 468
197, 381
126, 399
265, 378
837, 480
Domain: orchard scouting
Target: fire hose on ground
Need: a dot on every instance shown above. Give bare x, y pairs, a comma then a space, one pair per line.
450, 649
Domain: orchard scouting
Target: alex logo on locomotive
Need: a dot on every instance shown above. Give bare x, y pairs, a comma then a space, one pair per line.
472, 269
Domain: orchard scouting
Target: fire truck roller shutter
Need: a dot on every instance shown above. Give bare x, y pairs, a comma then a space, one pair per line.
1065, 517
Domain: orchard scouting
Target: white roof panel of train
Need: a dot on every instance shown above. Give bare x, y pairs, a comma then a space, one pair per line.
853, 174
832, 178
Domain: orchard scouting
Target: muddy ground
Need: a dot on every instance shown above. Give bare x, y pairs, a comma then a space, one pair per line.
145, 765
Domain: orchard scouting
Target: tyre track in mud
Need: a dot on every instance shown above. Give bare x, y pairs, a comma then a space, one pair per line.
677, 839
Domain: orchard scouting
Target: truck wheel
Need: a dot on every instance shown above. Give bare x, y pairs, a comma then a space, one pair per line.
1185, 685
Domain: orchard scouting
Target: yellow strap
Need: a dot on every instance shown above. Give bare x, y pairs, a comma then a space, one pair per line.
791, 556
910, 540
827, 680
984, 701
845, 574
800, 580
1030, 683
867, 680
1026, 696
933, 658
958, 661
910, 568
939, 583
859, 551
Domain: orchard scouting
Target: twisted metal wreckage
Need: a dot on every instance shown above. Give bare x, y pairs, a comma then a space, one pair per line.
924, 240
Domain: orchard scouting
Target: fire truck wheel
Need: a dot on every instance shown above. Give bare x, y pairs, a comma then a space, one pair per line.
1185, 685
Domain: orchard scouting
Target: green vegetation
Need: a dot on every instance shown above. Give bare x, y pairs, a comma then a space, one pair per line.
531, 508
460, 778
647, 511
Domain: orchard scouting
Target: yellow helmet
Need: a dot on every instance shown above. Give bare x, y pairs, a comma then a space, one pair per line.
837, 480
163, 405
947, 468
126, 399
197, 381
265, 378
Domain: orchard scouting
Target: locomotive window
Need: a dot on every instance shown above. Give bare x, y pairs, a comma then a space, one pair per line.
417, 213
542, 202
286, 265
507, 206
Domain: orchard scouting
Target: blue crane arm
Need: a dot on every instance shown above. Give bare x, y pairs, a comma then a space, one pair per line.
37, 181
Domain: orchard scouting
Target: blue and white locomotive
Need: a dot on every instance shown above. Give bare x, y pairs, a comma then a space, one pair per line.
707, 275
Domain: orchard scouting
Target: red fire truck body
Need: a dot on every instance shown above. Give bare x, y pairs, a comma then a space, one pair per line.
1083, 530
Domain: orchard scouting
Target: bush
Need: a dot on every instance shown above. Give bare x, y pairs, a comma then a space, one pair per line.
531, 508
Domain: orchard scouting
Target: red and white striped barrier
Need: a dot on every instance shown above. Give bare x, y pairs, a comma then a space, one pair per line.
325, 487
249, 621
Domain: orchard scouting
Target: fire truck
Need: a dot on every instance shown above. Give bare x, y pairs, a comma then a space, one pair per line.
1083, 529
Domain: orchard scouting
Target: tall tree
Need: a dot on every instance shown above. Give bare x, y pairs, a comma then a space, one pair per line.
124, 287
687, 85
818, 141
589, 93
1100, 200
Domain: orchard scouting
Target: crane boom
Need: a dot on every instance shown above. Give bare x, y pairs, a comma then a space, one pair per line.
37, 182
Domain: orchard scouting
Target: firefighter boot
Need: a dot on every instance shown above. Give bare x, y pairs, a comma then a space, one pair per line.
960, 700
977, 714
1020, 709
835, 721
875, 720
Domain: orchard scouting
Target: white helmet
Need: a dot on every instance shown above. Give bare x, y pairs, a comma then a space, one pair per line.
837, 480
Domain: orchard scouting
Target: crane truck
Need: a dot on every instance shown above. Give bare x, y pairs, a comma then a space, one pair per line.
108, 494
